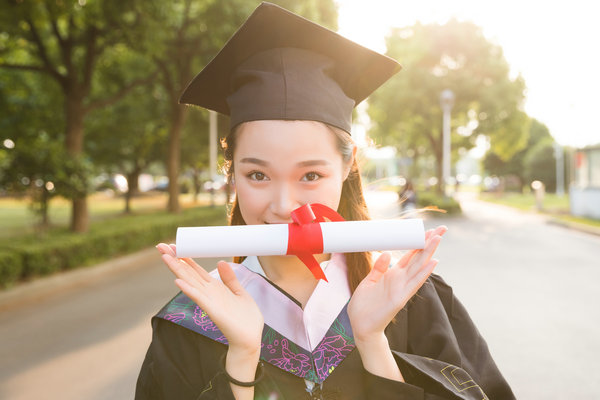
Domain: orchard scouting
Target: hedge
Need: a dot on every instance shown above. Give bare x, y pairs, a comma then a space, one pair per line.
59, 250
449, 204
11, 268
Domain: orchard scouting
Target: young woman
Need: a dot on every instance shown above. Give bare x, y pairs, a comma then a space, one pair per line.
264, 327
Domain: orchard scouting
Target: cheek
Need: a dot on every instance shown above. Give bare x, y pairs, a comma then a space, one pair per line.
329, 194
252, 202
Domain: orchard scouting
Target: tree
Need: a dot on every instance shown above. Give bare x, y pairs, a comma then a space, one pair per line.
33, 169
127, 137
516, 165
31, 160
194, 154
406, 111
540, 164
66, 42
187, 35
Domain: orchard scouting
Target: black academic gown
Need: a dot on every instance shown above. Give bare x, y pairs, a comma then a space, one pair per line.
436, 345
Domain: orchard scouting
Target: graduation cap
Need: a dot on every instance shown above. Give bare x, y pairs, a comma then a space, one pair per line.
281, 66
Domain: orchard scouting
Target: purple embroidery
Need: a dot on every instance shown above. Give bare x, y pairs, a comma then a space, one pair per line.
271, 348
175, 317
275, 348
329, 354
297, 364
203, 321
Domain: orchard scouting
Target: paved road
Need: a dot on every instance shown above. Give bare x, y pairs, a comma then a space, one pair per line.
82, 335
530, 287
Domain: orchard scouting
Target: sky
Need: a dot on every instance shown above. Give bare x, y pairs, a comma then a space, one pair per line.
552, 44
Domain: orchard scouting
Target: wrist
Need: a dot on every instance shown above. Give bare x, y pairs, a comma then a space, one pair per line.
371, 342
242, 384
377, 357
245, 351
241, 363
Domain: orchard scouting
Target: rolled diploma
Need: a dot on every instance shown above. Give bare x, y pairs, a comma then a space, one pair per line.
272, 239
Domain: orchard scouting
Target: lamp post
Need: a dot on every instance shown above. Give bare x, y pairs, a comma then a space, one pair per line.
446, 102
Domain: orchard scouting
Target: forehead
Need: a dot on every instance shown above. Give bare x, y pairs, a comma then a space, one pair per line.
286, 141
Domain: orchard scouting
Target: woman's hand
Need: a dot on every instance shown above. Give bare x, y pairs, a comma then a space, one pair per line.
385, 291
226, 302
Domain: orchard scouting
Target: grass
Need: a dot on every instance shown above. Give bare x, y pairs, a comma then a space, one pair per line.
30, 255
579, 220
18, 219
553, 205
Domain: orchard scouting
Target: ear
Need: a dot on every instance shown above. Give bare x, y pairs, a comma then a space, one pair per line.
348, 165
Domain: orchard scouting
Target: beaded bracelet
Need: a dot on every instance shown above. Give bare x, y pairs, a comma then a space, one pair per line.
259, 372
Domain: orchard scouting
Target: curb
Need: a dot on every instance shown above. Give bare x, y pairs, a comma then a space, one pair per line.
575, 226
43, 287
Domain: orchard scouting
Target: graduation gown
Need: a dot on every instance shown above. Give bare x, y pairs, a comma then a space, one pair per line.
309, 353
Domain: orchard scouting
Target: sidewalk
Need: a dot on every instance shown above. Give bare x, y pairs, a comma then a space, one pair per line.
63, 282
548, 217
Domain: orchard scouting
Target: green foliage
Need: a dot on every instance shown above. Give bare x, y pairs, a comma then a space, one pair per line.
323, 12
515, 165
29, 117
69, 44
62, 250
11, 268
456, 56
540, 164
128, 136
68, 67
448, 204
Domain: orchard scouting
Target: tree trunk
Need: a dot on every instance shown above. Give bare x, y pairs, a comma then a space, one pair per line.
132, 187
44, 202
178, 114
74, 143
438, 152
196, 181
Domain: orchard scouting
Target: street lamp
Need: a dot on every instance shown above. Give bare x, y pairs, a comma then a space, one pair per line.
446, 102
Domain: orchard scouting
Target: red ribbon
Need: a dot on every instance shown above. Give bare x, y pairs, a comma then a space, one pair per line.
305, 237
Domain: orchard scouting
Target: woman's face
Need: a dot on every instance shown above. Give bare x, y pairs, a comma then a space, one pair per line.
282, 165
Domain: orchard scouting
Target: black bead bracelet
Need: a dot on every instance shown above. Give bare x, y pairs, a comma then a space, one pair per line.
258, 376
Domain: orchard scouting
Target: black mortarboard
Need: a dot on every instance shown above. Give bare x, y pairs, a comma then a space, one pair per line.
279, 65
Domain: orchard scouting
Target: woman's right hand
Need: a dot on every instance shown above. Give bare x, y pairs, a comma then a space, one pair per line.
225, 301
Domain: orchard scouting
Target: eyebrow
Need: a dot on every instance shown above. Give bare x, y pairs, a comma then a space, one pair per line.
250, 160
308, 163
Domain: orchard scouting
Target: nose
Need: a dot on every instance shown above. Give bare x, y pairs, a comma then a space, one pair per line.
284, 202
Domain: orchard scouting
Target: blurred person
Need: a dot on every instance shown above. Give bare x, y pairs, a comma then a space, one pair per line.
264, 327
408, 197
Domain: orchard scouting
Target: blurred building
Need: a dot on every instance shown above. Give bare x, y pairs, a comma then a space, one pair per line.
585, 188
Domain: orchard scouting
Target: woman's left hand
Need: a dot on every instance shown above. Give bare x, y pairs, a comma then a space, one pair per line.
386, 290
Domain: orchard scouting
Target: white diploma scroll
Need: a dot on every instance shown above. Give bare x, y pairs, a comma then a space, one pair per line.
272, 239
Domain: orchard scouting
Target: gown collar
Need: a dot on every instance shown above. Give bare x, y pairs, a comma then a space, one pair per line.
309, 343
305, 327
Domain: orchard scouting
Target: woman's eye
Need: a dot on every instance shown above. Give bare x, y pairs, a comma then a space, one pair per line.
257, 176
311, 176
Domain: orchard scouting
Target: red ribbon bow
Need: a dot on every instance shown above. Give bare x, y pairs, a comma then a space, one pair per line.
305, 237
